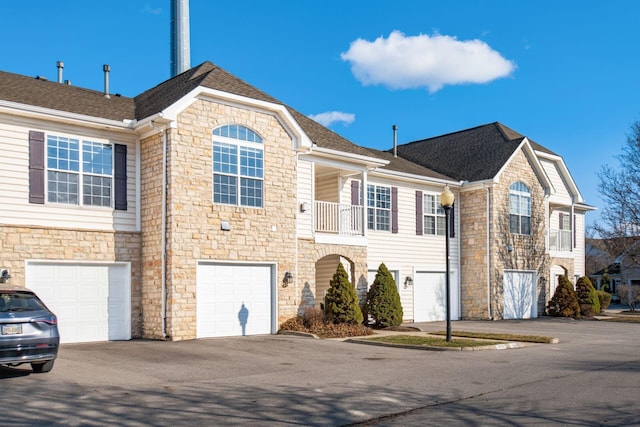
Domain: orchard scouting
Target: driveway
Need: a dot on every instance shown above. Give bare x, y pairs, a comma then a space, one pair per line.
589, 378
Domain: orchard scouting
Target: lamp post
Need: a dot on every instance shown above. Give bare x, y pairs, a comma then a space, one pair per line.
446, 200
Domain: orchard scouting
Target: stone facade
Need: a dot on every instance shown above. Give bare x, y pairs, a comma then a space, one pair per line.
23, 243
507, 251
194, 232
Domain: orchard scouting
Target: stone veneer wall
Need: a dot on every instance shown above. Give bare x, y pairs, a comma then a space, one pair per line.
527, 252
194, 233
22, 243
309, 253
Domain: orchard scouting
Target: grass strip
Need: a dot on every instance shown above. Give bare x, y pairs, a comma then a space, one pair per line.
499, 336
423, 340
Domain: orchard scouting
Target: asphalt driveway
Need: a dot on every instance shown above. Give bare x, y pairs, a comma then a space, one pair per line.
589, 378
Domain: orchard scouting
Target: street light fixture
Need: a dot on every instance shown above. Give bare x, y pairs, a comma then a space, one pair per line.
446, 200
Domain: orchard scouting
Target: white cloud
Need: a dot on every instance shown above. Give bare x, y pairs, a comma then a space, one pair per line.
406, 62
331, 117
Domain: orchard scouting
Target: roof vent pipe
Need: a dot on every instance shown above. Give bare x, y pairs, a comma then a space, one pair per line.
180, 50
395, 140
106, 68
60, 65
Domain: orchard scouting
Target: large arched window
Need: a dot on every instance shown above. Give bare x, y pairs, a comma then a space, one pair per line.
238, 166
519, 208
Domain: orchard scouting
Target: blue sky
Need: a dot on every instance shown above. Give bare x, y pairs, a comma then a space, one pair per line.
563, 73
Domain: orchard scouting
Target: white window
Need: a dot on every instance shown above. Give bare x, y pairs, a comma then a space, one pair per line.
378, 208
79, 172
519, 208
238, 166
433, 215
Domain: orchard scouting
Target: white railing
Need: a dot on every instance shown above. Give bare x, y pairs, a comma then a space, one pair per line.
345, 220
560, 240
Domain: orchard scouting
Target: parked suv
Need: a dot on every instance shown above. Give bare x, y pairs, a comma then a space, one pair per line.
28, 330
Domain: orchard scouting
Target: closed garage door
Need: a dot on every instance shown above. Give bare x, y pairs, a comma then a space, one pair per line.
92, 301
519, 295
234, 300
429, 296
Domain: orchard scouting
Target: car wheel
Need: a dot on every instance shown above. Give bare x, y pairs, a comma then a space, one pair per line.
41, 367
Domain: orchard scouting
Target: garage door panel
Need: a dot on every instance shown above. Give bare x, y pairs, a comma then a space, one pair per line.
519, 295
430, 296
92, 302
234, 300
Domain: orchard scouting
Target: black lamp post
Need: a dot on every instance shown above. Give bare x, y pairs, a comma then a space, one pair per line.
446, 200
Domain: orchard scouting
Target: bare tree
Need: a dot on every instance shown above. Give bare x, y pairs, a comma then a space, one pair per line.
619, 188
629, 295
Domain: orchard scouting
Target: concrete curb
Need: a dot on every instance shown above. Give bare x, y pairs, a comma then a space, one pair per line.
505, 346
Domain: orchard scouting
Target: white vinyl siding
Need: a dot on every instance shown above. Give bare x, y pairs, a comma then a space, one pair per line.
14, 191
561, 193
305, 195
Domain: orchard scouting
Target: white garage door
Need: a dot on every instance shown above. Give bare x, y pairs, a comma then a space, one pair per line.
234, 300
429, 297
92, 301
519, 295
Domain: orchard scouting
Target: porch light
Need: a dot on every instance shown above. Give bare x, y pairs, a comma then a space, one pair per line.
408, 281
286, 279
304, 207
446, 200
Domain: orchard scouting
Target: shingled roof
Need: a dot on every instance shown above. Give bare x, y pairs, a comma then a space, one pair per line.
474, 154
62, 97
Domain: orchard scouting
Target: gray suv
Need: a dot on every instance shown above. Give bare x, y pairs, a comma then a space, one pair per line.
28, 330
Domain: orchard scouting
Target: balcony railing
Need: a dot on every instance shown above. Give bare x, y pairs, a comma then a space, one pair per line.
334, 218
560, 240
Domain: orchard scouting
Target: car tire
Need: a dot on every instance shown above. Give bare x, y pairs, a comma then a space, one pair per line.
42, 367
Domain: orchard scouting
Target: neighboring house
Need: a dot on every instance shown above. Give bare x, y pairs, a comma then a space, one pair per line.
203, 207
623, 270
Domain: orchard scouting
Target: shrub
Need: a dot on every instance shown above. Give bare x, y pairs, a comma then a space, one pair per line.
605, 299
383, 300
629, 295
564, 302
587, 297
341, 302
312, 321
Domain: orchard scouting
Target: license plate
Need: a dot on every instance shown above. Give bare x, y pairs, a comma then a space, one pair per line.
11, 329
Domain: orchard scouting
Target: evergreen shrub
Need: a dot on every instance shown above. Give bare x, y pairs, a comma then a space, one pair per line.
605, 299
587, 297
341, 301
564, 302
383, 300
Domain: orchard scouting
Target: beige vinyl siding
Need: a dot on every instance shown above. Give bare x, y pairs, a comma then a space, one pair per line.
579, 250
560, 187
305, 195
327, 188
14, 179
325, 269
405, 251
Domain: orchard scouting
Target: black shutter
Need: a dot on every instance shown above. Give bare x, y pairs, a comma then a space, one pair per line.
120, 176
452, 221
36, 167
419, 218
394, 209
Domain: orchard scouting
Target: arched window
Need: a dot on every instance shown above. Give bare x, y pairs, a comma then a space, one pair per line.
519, 208
238, 166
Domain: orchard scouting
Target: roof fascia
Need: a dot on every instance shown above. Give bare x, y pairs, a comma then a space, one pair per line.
409, 177
300, 139
41, 113
369, 162
537, 166
566, 174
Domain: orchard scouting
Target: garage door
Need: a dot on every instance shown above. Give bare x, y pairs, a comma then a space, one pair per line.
429, 296
234, 300
519, 295
92, 302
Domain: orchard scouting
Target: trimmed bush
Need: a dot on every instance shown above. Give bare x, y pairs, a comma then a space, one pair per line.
587, 297
341, 302
383, 300
564, 302
605, 299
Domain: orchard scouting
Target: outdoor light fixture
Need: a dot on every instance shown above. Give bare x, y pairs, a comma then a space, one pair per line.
304, 207
408, 281
446, 200
509, 248
5, 276
286, 279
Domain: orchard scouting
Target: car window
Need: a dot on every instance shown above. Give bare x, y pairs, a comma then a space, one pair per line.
19, 301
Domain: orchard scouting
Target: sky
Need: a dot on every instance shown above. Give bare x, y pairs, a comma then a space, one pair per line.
562, 73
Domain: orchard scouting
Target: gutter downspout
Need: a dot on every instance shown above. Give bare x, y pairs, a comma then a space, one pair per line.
163, 226
489, 254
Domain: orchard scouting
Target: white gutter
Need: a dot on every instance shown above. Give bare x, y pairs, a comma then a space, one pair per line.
489, 254
372, 161
163, 226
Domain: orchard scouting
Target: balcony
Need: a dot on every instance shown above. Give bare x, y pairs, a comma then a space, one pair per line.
338, 219
560, 240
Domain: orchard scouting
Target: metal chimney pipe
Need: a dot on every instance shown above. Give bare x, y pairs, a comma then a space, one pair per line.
395, 141
106, 68
60, 65
180, 50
